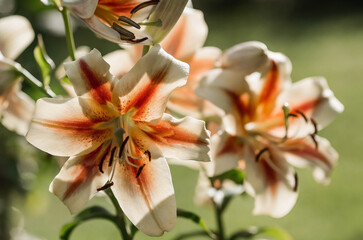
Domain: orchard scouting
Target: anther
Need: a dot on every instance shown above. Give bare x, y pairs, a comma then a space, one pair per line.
101, 163
260, 153
292, 115
129, 22
144, 5
296, 183
123, 146
148, 153
315, 124
314, 140
138, 40
107, 185
124, 33
140, 170
112, 155
303, 115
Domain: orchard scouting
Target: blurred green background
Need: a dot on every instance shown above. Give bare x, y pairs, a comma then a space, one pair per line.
323, 38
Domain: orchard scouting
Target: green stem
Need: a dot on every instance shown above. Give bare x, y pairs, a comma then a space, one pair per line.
35, 82
219, 212
120, 214
69, 33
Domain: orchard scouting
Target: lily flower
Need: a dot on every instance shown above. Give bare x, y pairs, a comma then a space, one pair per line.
271, 125
143, 22
117, 135
16, 108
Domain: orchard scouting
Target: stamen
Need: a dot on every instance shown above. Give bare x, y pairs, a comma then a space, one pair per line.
260, 153
107, 185
148, 153
314, 139
112, 155
315, 124
292, 115
123, 146
144, 5
296, 183
124, 33
140, 170
303, 115
129, 21
101, 163
137, 40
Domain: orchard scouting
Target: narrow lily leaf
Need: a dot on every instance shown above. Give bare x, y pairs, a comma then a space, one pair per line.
195, 218
275, 233
45, 63
66, 80
87, 214
271, 233
234, 175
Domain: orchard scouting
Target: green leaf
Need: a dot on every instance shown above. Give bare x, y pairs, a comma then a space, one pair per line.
271, 233
196, 219
45, 63
234, 175
275, 233
85, 215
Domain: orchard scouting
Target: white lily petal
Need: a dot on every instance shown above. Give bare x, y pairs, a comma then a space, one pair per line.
247, 57
90, 77
120, 62
67, 127
272, 182
168, 11
147, 200
79, 179
82, 8
319, 156
187, 36
16, 34
18, 114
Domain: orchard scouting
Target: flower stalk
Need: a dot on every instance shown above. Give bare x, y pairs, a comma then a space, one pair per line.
69, 33
121, 223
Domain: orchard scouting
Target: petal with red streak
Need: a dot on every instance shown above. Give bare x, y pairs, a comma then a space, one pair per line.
67, 127
183, 139
147, 200
272, 182
226, 151
203, 61
319, 156
187, 36
90, 76
79, 179
145, 89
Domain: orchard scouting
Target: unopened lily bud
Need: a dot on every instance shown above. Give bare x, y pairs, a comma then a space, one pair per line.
246, 57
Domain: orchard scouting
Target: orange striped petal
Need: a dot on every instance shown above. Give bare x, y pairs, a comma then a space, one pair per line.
272, 182
187, 36
275, 81
183, 100
147, 200
184, 139
67, 127
145, 90
319, 155
90, 77
226, 151
79, 179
